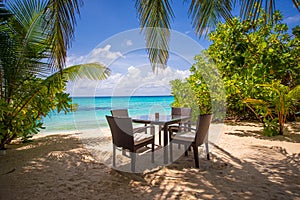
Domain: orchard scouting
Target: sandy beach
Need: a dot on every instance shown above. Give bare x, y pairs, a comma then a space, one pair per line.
243, 165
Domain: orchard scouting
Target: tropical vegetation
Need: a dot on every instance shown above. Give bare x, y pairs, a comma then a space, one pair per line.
258, 64
34, 37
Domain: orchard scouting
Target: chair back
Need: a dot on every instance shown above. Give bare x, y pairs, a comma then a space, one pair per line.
202, 128
122, 132
119, 113
181, 111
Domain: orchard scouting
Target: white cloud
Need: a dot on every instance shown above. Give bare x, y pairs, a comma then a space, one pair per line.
142, 81
129, 42
137, 81
294, 19
103, 55
110, 82
131, 75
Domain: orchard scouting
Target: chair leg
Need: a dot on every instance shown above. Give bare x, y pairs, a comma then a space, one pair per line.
123, 152
146, 129
152, 153
159, 135
133, 157
170, 137
114, 155
196, 156
186, 150
171, 151
207, 151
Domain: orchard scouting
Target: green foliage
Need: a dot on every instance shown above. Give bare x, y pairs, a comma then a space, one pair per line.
203, 90
270, 127
208, 87
259, 65
278, 102
184, 96
28, 41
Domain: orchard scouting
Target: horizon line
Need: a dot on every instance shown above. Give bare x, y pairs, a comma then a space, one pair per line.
126, 96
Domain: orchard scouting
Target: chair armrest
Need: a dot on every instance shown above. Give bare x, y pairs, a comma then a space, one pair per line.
144, 129
145, 123
185, 127
182, 129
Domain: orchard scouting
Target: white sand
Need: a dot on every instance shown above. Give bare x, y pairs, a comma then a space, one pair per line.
244, 165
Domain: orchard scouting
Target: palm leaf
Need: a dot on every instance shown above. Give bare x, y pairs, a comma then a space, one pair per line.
62, 20
297, 4
92, 71
29, 25
254, 101
206, 14
4, 13
24, 45
250, 9
155, 16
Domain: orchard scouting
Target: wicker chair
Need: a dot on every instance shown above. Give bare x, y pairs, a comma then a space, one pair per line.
177, 112
193, 138
181, 112
123, 136
119, 113
124, 113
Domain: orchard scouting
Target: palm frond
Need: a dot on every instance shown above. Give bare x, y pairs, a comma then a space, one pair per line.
154, 17
297, 4
206, 14
4, 13
29, 26
254, 101
250, 9
92, 71
62, 20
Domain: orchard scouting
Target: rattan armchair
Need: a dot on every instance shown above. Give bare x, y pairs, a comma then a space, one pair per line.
124, 137
193, 138
176, 111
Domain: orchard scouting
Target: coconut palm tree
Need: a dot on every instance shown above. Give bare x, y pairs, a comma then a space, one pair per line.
155, 17
34, 37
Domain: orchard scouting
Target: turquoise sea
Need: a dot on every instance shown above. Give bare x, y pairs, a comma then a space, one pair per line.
92, 110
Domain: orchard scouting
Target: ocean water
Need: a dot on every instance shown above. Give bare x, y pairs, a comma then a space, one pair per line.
91, 111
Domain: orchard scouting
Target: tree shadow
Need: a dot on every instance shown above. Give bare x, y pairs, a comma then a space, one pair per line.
58, 167
242, 123
225, 176
292, 133
228, 177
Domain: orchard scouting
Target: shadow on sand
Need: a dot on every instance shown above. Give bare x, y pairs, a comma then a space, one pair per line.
58, 167
291, 134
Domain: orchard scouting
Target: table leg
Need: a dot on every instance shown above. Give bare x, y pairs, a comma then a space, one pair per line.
166, 144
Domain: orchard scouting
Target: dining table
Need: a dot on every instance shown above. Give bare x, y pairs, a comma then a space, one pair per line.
163, 121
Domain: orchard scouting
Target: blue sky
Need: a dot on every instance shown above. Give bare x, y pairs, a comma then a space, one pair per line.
107, 32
